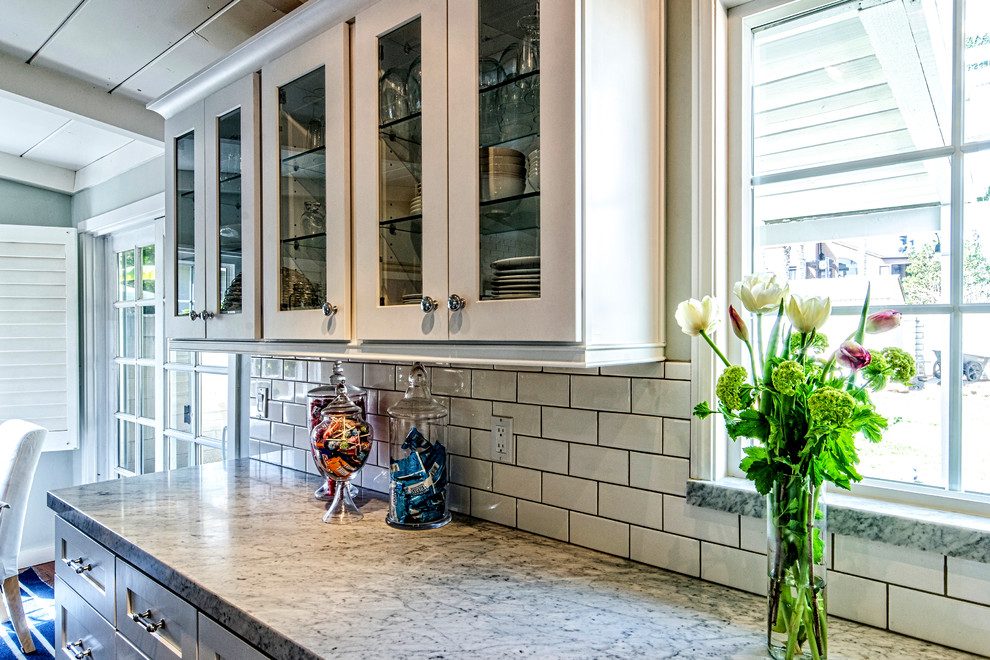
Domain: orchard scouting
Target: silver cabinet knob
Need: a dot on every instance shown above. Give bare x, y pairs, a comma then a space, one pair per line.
194, 316
455, 303
328, 309
207, 315
428, 304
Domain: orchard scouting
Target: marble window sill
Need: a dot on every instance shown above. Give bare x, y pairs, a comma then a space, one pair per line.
931, 530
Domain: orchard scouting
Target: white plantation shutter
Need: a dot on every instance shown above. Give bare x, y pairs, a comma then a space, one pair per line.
39, 373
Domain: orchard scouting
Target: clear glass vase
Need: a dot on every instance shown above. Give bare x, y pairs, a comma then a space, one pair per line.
797, 625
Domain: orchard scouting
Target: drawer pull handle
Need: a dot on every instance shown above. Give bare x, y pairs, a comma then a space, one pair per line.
77, 565
148, 626
78, 655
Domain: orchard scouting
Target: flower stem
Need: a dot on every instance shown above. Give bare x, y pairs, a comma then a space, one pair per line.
752, 363
715, 348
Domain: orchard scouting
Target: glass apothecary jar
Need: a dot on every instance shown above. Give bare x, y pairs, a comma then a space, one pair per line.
418, 458
318, 399
341, 444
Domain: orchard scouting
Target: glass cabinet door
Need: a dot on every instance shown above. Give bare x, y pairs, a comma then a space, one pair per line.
185, 279
306, 190
400, 170
514, 227
232, 211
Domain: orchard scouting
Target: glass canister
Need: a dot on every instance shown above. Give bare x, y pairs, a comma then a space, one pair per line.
417, 430
341, 443
318, 398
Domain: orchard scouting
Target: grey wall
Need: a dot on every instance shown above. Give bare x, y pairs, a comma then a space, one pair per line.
141, 182
21, 204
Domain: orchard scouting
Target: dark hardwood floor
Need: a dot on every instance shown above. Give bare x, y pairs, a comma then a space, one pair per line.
46, 572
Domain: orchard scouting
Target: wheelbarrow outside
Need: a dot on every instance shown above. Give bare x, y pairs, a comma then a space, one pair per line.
973, 366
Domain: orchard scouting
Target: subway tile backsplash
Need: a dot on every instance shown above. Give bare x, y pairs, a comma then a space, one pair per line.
601, 461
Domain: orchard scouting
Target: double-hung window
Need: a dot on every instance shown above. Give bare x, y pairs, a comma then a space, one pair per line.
865, 161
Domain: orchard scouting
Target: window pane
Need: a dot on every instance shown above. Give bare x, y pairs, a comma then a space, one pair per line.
830, 235
209, 454
126, 448
851, 82
125, 332
148, 332
125, 275
214, 359
977, 58
976, 221
147, 271
180, 401
180, 453
180, 357
975, 404
147, 392
212, 405
147, 449
126, 391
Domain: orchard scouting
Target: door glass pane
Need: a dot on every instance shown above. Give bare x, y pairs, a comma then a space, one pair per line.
977, 59
147, 392
975, 411
147, 449
212, 405
509, 155
400, 175
180, 453
302, 192
180, 357
180, 400
831, 235
147, 271
185, 225
875, 82
125, 332
976, 221
229, 211
148, 332
127, 394
126, 446
125, 275
214, 359
208, 454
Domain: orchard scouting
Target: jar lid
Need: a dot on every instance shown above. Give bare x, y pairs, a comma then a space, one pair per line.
328, 391
341, 403
418, 403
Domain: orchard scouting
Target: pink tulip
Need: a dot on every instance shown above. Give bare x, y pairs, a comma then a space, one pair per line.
882, 321
852, 355
738, 325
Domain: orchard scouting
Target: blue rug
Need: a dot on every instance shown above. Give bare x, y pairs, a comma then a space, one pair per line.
39, 608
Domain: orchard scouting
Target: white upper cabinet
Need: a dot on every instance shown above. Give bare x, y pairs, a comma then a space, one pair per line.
306, 175
212, 217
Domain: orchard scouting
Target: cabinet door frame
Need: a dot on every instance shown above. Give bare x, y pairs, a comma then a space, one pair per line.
189, 120
556, 315
400, 322
331, 51
241, 95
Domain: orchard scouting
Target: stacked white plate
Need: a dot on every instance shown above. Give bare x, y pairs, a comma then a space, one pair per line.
517, 277
412, 298
416, 203
503, 172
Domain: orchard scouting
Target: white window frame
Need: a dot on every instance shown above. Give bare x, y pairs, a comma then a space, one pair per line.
723, 63
227, 443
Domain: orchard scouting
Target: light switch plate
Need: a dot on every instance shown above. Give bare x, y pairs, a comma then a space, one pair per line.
503, 442
261, 401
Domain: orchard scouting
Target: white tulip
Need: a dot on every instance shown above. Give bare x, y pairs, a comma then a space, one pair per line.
698, 316
760, 293
807, 314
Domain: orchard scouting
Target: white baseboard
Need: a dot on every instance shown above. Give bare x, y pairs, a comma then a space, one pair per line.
41, 554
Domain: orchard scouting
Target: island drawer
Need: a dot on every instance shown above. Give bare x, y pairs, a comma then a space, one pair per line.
218, 643
86, 566
157, 622
79, 630
126, 650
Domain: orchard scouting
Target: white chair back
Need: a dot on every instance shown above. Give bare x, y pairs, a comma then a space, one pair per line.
20, 450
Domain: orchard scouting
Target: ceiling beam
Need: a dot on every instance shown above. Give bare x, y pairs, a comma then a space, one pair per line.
39, 175
79, 100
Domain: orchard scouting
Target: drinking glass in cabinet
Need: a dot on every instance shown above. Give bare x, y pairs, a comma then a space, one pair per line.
509, 140
185, 224
302, 192
400, 132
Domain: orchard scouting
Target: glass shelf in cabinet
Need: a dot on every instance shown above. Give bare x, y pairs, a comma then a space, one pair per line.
509, 214
311, 240
523, 77
309, 161
507, 140
407, 129
396, 221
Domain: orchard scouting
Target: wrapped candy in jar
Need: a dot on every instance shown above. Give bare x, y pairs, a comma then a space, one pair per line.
418, 458
341, 443
318, 399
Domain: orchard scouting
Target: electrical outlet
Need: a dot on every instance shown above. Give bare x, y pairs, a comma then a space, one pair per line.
261, 401
503, 442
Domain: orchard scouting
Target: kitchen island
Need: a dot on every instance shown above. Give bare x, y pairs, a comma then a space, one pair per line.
243, 542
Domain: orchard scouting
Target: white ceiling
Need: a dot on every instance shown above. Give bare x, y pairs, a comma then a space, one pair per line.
131, 50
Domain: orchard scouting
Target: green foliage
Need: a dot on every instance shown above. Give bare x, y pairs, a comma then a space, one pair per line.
787, 376
922, 282
901, 364
730, 388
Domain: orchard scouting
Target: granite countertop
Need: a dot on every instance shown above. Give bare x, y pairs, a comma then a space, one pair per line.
243, 541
